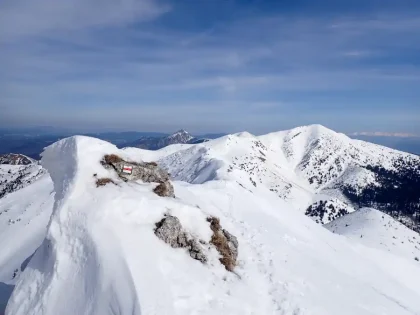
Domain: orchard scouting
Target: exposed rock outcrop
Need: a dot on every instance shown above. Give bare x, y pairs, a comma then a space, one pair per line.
104, 182
148, 172
164, 189
16, 159
225, 243
170, 230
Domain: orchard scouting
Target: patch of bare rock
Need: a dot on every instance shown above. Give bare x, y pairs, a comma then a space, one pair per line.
170, 230
148, 172
104, 182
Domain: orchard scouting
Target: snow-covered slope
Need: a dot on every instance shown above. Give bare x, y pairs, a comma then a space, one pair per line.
26, 204
17, 171
15, 177
376, 229
355, 172
321, 155
15, 159
303, 166
24, 215
100, 254
240, 157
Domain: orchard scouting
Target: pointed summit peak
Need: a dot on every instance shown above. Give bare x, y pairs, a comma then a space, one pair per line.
181, 131
181, 136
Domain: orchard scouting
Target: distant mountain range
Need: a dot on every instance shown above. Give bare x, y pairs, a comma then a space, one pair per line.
156, 143
31, 141
323, 173
343, 174
262, 188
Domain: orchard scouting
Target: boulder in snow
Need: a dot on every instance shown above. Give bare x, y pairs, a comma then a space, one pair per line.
148, 172
170, 230
165, 189
104, 182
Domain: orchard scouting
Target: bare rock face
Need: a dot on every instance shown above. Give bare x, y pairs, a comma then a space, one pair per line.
170, 230
148, 172
232, 243
196, 251
225, 243
103, 182
165, 189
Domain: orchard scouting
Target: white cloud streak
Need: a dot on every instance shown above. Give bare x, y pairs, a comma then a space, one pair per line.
40, 17
63, 55
385, 134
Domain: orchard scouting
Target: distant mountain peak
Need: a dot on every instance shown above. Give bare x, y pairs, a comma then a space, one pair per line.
182, 134
181, 131
155, 143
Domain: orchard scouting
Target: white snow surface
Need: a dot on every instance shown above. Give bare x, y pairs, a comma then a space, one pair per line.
301, 165
14, 177
24, 215
100, 254
378, 230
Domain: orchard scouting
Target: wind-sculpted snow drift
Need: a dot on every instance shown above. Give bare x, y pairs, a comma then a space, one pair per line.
101, 254
68, 273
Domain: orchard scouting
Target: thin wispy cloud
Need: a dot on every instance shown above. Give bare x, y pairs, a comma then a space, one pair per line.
142, 55
37, 18
385, 134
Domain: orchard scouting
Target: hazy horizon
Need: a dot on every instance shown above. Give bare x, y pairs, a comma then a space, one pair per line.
74, 130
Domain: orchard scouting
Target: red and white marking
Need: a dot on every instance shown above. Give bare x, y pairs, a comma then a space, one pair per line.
127, 169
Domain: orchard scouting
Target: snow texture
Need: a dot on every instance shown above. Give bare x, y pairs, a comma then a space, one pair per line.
378, 230
101, 256
15, 177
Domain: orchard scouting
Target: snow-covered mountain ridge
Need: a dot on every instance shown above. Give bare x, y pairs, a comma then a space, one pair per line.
102, 238
319, 171
16, 159
14, 176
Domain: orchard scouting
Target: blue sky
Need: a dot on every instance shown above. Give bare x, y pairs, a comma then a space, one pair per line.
211, 65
